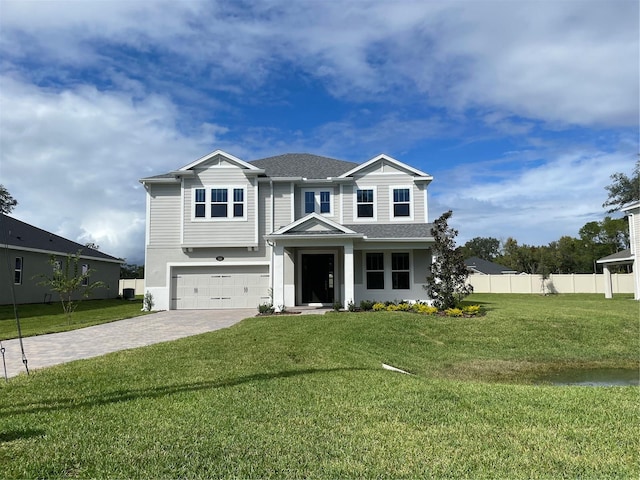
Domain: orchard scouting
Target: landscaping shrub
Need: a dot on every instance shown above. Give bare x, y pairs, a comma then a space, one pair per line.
366, 305
424, 309
337, 306
453, 312
471, 310
265, 309
379, 307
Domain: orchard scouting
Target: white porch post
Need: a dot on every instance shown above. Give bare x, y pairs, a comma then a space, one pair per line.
608, 290
348, 274
278, 277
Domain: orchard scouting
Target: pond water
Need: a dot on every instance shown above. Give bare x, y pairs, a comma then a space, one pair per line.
594, 377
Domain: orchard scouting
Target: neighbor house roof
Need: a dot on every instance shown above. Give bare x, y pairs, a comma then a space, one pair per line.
623, 256
303, 165
19, 235
486, 267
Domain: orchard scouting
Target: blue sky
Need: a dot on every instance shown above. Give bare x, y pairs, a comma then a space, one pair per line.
520, 110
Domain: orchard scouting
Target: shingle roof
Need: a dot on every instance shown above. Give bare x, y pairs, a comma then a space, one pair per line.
486, 267
394, 230
22, 235
623, 256
303, 165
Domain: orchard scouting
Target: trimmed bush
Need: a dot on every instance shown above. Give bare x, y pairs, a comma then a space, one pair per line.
424, 309
367, 305
379, 307
453, 312
471, 310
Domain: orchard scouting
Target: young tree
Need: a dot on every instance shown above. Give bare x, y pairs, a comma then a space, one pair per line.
623, 190
447, 284
70, 280
7, 202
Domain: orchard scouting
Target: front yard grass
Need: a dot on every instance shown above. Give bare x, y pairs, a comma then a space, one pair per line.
41, 318
305, 396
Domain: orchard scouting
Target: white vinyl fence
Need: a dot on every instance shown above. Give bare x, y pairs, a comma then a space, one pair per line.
136, 283
556, 283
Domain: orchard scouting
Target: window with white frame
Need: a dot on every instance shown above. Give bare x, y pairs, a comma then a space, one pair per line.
364, 203
400, 271
318, 201
401, 202
220, 203
375, 270
17, 273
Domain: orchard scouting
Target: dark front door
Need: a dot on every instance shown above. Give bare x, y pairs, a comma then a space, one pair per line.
317, 278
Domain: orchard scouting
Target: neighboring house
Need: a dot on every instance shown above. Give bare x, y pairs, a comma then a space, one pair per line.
294, 229
26, 251
478, 266
630, 256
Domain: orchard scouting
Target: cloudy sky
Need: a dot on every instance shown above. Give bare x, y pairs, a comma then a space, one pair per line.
520, 110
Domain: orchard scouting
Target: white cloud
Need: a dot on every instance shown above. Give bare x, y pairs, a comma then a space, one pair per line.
72, 159
559, 62
535, 205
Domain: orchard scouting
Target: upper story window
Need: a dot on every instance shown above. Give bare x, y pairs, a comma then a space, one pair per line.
318, 201
17, 273
401, 200
219, 203
364, 203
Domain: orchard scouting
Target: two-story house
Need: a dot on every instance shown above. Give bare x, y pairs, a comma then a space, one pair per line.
294, 229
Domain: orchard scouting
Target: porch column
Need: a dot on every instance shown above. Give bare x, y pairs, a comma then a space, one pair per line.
608, 290
348, 274
277, 275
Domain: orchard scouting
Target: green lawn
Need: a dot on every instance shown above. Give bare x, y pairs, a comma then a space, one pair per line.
305, 396
41, 318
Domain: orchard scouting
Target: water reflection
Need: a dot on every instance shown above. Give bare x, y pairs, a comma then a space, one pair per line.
599, 377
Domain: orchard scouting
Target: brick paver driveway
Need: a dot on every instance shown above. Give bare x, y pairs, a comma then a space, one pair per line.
52, 349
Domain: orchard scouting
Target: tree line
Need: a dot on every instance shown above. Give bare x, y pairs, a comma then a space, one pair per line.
596, 239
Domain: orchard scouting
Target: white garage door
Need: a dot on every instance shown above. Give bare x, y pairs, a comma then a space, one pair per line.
220, 287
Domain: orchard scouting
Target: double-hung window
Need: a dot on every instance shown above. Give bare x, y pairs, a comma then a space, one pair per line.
219, 203
375, 271
318, 201
400, 271
17, 272
401, 202
364, 203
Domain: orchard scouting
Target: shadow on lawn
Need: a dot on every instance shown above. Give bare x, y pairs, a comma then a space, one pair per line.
155, 392
12, 435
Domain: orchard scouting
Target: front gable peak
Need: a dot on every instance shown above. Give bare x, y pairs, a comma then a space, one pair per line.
314, 224
385, 163
220, 158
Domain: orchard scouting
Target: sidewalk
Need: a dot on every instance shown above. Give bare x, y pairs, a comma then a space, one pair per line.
52, 349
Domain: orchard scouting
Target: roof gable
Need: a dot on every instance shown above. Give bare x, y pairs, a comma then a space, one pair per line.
314, 224
382, 162
219, 158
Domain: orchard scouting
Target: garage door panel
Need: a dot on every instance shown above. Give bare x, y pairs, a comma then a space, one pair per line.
213, 287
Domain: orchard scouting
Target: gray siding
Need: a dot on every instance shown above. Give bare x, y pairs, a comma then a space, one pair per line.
164, 220
282, 202
35, 264
383, 197
207, 232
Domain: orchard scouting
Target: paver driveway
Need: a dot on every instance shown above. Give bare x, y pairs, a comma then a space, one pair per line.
55, 348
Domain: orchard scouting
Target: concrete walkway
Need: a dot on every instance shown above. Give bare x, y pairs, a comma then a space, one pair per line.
55, 348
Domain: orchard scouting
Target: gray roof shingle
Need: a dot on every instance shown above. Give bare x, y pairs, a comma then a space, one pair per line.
22, 235
394, 230
485, 266
303, 165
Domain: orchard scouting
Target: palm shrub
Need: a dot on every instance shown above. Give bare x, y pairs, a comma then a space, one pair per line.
447, 285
